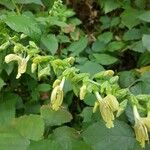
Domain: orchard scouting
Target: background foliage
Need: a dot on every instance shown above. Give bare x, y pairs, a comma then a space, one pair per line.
100, 35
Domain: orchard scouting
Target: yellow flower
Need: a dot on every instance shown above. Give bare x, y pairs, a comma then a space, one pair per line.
56, 98
107, 106
57, 95
82, 92
22, 63
141, 127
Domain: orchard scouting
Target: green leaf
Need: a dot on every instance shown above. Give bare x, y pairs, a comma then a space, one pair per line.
90, 67
110, 5
11, 140
87, 114
44, 87
145, 16
69, 139
133, 34
126, 78
144, 59
44, 145
101, 138
7, 3
7, 107
146, 41
39, 2
2, 83
130, 17
137, 47
23, 23
30, 127
52, 117
106, 37
78, 46
105, 59
115, 46
50, 43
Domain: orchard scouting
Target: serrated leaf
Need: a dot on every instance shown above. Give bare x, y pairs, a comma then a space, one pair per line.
115, 46
146, 41
105, 59
23, 23
90, 67
78, 46
52, 117
130, 17
50, 42
133, 34
30, 127
7, 3
7, 107
44, 145
145, 16
102, 138
39, 2
69, 139
11, 140
110, 5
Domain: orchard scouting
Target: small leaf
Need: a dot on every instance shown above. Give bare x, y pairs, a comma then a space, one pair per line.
115, 46
52, 117
2, 83
90, 67
50, 43
78, 46
44, 87
105, 59
146, 41
30, 127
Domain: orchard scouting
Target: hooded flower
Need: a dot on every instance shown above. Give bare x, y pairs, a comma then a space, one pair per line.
22, 63
57, 96
141, 127
108, 106
83, 91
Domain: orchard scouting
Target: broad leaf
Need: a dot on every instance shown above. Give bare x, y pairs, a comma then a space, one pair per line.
23, 23
102, 138
30, 127
11, 140
52, 117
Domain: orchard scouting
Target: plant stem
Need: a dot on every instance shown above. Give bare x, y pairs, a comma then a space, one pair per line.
98, 96
16, 7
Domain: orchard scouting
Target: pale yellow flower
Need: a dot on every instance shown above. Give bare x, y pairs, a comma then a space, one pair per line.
107, 106
56, 98
141, 127
22, 63
57, 95
83, 91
